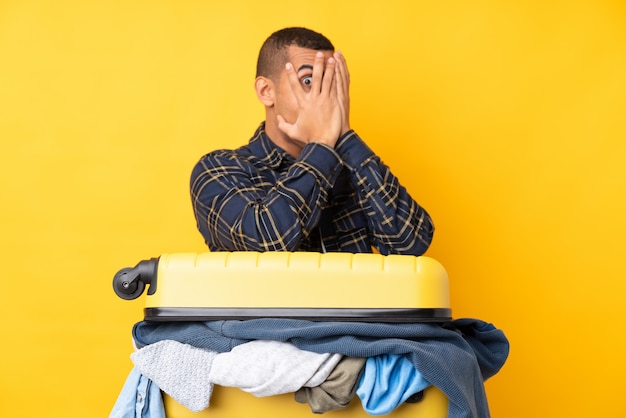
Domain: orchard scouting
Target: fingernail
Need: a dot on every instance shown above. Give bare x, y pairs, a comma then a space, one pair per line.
319, 54
331, 60
288, 66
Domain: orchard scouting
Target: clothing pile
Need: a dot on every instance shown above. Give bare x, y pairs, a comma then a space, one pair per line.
325, 364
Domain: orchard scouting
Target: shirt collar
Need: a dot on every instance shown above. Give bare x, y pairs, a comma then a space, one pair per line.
267, 151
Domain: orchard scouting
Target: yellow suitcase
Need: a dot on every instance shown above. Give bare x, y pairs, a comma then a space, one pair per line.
299, 285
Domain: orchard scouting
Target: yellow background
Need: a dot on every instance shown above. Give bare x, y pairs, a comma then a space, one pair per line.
504, 119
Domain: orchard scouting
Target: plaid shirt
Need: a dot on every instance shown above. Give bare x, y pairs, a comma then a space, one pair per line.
259, 198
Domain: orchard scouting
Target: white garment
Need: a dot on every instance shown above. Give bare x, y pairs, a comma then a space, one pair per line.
266, 368
180, 370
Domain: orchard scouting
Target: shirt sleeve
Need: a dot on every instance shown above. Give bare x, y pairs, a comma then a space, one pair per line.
398, 224
238, 209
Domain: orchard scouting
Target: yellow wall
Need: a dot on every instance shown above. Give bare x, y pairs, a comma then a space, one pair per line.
504, 119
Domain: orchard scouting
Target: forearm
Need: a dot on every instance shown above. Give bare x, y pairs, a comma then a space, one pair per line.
238, 211
398, 224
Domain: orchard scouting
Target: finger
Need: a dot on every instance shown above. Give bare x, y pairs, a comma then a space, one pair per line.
341, 59
328, 83
318, 72
340, 81
343, 94
342, 88
294, 83
284, 126
342, 70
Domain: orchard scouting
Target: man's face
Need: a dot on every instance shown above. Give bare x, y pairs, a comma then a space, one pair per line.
302, 61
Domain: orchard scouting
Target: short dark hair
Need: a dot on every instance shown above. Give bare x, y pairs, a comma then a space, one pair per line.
273, 53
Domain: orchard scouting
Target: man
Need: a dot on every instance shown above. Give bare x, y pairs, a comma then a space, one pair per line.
305, 181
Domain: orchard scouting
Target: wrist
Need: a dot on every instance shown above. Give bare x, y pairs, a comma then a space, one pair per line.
326, 141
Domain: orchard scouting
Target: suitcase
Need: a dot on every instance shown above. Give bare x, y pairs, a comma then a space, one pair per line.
296, 285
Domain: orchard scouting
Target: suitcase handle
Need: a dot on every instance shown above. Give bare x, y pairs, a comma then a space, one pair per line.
129, 283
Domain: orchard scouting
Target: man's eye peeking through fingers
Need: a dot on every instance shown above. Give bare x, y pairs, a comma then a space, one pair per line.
307, 82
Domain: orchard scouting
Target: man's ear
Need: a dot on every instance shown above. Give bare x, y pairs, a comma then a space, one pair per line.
264, 90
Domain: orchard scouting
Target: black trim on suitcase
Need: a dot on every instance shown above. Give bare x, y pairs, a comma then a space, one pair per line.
311, 314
